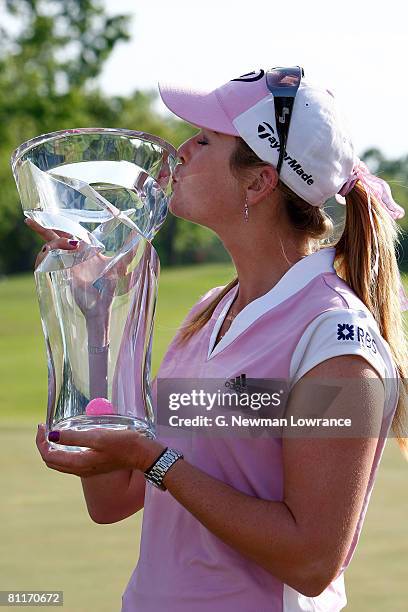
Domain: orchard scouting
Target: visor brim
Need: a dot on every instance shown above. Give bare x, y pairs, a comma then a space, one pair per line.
199, 108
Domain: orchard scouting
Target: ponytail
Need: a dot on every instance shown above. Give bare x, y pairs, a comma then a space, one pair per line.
355, 255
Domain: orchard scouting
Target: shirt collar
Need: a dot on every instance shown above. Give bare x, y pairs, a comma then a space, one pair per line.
296, 278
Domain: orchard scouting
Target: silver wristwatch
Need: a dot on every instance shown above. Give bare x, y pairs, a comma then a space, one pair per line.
156, 472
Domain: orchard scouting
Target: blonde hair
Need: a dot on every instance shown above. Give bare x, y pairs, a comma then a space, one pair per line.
355, 252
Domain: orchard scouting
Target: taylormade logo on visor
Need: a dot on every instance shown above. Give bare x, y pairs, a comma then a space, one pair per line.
266, 132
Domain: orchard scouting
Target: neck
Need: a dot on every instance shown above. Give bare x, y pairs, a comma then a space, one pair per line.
261, 263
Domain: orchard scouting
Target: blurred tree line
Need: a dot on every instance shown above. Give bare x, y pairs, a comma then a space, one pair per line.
51, 53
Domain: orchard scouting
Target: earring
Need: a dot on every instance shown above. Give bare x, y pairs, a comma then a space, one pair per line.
246, 210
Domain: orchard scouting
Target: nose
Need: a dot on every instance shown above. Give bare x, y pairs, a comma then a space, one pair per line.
183, 151
181, 155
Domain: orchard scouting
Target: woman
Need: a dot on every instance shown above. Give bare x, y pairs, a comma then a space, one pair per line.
263, 523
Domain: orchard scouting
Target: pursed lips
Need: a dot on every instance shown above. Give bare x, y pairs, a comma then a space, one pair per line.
176, 175
175, 179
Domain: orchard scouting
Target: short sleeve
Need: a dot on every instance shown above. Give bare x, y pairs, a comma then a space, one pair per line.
341, 332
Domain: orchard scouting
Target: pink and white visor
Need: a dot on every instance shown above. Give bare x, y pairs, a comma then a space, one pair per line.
319, 154
216, 109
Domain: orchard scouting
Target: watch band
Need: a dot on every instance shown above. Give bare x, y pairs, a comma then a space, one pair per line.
160, 467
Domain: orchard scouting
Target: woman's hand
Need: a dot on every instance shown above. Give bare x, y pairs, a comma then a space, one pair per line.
54, 240
109, 450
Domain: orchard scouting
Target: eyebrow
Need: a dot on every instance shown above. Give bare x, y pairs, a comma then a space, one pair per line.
208, 130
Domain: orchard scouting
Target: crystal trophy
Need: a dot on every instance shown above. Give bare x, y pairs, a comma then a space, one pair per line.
109, 189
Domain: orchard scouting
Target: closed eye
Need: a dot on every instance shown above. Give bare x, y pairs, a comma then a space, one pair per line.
202, 142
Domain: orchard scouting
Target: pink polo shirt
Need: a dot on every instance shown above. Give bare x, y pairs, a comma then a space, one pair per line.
309, 316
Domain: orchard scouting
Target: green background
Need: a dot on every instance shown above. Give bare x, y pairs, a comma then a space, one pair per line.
47, 539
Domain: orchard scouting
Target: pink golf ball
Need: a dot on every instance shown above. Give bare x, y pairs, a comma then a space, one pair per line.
99, 406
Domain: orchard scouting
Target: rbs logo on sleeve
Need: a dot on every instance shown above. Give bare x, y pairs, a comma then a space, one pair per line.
347, 331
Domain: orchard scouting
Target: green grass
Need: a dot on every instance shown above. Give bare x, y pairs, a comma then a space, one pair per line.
23, 394
47, 539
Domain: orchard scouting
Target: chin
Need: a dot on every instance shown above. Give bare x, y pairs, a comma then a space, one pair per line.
175, 210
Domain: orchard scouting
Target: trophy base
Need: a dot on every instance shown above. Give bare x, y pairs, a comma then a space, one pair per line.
84, 423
